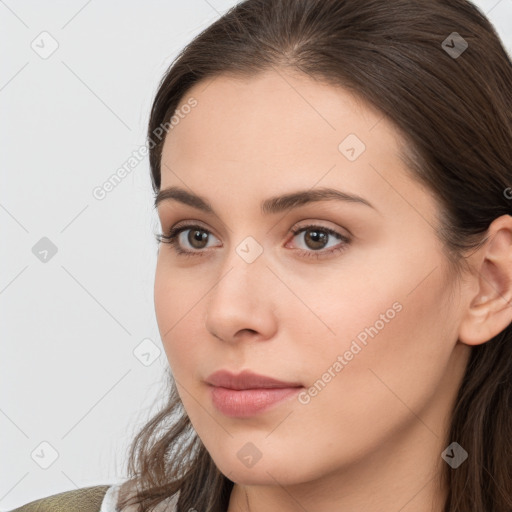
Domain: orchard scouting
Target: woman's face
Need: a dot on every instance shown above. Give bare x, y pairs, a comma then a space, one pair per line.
357, 306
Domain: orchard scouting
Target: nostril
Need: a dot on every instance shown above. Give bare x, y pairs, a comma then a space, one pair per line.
248, 330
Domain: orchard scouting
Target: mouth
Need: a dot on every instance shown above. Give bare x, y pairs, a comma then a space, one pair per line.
247, 394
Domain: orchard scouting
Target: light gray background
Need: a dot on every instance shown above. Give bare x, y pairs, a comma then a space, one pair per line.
70, 325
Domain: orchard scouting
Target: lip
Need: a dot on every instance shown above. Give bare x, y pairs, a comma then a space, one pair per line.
247, 380
247, 394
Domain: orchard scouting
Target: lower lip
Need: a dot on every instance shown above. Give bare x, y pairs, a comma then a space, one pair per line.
248, 402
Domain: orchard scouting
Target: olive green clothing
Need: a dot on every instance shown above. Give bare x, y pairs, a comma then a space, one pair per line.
85, 499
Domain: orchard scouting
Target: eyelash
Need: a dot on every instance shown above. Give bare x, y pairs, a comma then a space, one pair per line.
172, 235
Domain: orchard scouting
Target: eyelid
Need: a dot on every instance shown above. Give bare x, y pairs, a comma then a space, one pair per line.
190, 224
341, 231
343, 240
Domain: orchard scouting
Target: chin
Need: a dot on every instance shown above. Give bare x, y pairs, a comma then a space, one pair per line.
263, 472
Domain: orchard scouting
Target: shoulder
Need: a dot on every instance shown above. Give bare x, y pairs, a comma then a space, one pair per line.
85, 499
98, 498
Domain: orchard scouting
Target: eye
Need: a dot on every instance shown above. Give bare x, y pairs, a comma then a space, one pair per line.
196, 238
316, 238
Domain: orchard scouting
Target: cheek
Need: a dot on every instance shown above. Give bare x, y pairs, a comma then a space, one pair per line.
175, 299
392, 346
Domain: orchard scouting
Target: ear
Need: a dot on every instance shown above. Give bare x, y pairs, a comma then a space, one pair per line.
490, 310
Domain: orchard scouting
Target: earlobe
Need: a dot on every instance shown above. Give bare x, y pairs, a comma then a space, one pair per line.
490, 310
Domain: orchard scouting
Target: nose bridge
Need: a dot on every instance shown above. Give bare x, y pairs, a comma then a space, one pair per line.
242, 273
240, 298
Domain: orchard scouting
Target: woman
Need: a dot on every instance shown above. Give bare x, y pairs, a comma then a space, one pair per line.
334, 280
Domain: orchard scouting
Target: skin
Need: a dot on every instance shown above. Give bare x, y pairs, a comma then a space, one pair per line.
372, 438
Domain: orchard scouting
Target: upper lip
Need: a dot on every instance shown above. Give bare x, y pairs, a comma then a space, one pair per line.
246, 380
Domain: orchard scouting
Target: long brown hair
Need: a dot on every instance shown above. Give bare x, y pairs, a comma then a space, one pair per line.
452, 104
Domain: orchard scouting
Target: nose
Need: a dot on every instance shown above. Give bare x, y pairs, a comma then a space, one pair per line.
241, 304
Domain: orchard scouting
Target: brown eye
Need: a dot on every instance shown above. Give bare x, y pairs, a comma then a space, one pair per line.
314, 241
315, 238
196, 238
192, 244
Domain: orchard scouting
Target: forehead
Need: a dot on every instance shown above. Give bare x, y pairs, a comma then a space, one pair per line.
274, 113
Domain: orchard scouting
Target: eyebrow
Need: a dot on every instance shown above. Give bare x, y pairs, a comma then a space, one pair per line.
272, 205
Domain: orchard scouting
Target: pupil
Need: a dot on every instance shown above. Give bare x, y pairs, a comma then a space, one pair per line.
198, 236
317, 237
